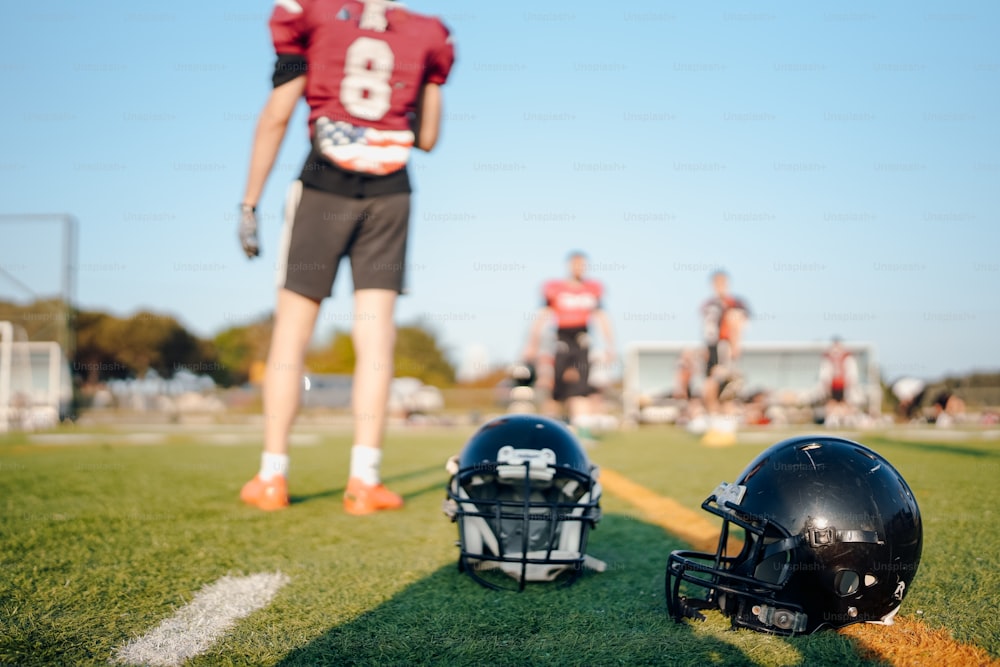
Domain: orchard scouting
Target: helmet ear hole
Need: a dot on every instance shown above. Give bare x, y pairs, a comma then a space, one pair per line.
773, 570
846, 582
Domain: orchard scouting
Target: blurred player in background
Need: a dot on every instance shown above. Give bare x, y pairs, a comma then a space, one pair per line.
948, 409
572, 303
838, 374
371, 73
909, 393
724, 317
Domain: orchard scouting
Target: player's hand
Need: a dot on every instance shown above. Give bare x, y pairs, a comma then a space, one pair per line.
248, 230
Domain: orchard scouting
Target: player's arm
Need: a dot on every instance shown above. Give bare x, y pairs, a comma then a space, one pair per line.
852, 373
607, 334
427, 123
438, 62
736, 319
535, 333
270, 133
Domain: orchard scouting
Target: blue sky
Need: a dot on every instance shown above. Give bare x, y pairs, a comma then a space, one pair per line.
840, 159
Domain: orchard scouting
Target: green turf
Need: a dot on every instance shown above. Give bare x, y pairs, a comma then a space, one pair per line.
102, 539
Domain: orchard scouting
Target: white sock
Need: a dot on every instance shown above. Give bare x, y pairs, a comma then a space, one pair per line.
273, 465
365, 463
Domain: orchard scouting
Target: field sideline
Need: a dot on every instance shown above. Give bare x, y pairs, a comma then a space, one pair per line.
110, 532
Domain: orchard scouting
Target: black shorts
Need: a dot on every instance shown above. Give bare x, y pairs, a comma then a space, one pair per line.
718, 355
572, 365
713, 359
837, 394
321, 228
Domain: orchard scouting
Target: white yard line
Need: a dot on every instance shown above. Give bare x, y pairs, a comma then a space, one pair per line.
197, 625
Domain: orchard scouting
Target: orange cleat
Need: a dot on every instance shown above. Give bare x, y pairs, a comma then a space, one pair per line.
268, 496
360, 498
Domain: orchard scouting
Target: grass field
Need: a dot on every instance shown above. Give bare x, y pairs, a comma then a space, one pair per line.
107, 532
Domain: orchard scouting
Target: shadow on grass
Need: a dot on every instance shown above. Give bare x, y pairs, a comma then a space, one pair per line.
339, 491
943, 448
614, 618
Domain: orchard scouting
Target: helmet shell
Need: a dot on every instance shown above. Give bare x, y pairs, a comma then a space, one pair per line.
832, 536
523, 432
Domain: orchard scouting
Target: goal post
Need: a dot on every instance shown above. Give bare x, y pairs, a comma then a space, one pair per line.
6, 361
36, 388
38, 268
787, 370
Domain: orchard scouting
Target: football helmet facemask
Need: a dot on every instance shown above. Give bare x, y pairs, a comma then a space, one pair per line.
524, 495
831, 535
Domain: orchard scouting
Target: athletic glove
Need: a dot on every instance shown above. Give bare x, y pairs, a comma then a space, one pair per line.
248, 230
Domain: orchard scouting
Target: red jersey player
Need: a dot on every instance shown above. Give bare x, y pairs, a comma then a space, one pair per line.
371, 72
839, 374
724, 316
572, 303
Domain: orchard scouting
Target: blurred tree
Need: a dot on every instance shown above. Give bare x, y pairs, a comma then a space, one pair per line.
337, 357
110, 347
96, 359
148, 340
417, 355
238, 348
43, 319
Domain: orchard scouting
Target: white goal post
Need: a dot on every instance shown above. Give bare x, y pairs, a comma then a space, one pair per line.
789, 371
35, 383
6, 374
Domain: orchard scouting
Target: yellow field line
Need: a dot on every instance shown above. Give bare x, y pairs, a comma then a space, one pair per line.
907, 642
664, 512
910, 642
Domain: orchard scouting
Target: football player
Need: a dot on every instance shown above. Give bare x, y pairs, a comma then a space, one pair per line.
723, 317
572, 303
371, 73
838, 372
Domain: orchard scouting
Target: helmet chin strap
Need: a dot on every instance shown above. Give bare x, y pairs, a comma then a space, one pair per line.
780, 619
536, 572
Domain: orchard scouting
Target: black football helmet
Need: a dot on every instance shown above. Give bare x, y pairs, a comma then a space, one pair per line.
524, 495
831, 535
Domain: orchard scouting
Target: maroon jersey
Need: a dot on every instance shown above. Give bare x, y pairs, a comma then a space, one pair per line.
837, 360
573, 302
366, 63
714, 312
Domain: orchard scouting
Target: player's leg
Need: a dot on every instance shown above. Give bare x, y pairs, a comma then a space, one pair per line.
374, 337
307, 265
562, 376
835, 408
378, 258
294, 320
710, 395
721, 420
578, 389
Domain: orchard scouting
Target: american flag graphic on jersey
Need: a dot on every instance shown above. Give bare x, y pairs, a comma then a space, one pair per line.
366, 64
364, 149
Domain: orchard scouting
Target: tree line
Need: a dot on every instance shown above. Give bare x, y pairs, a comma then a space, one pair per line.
104, 346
